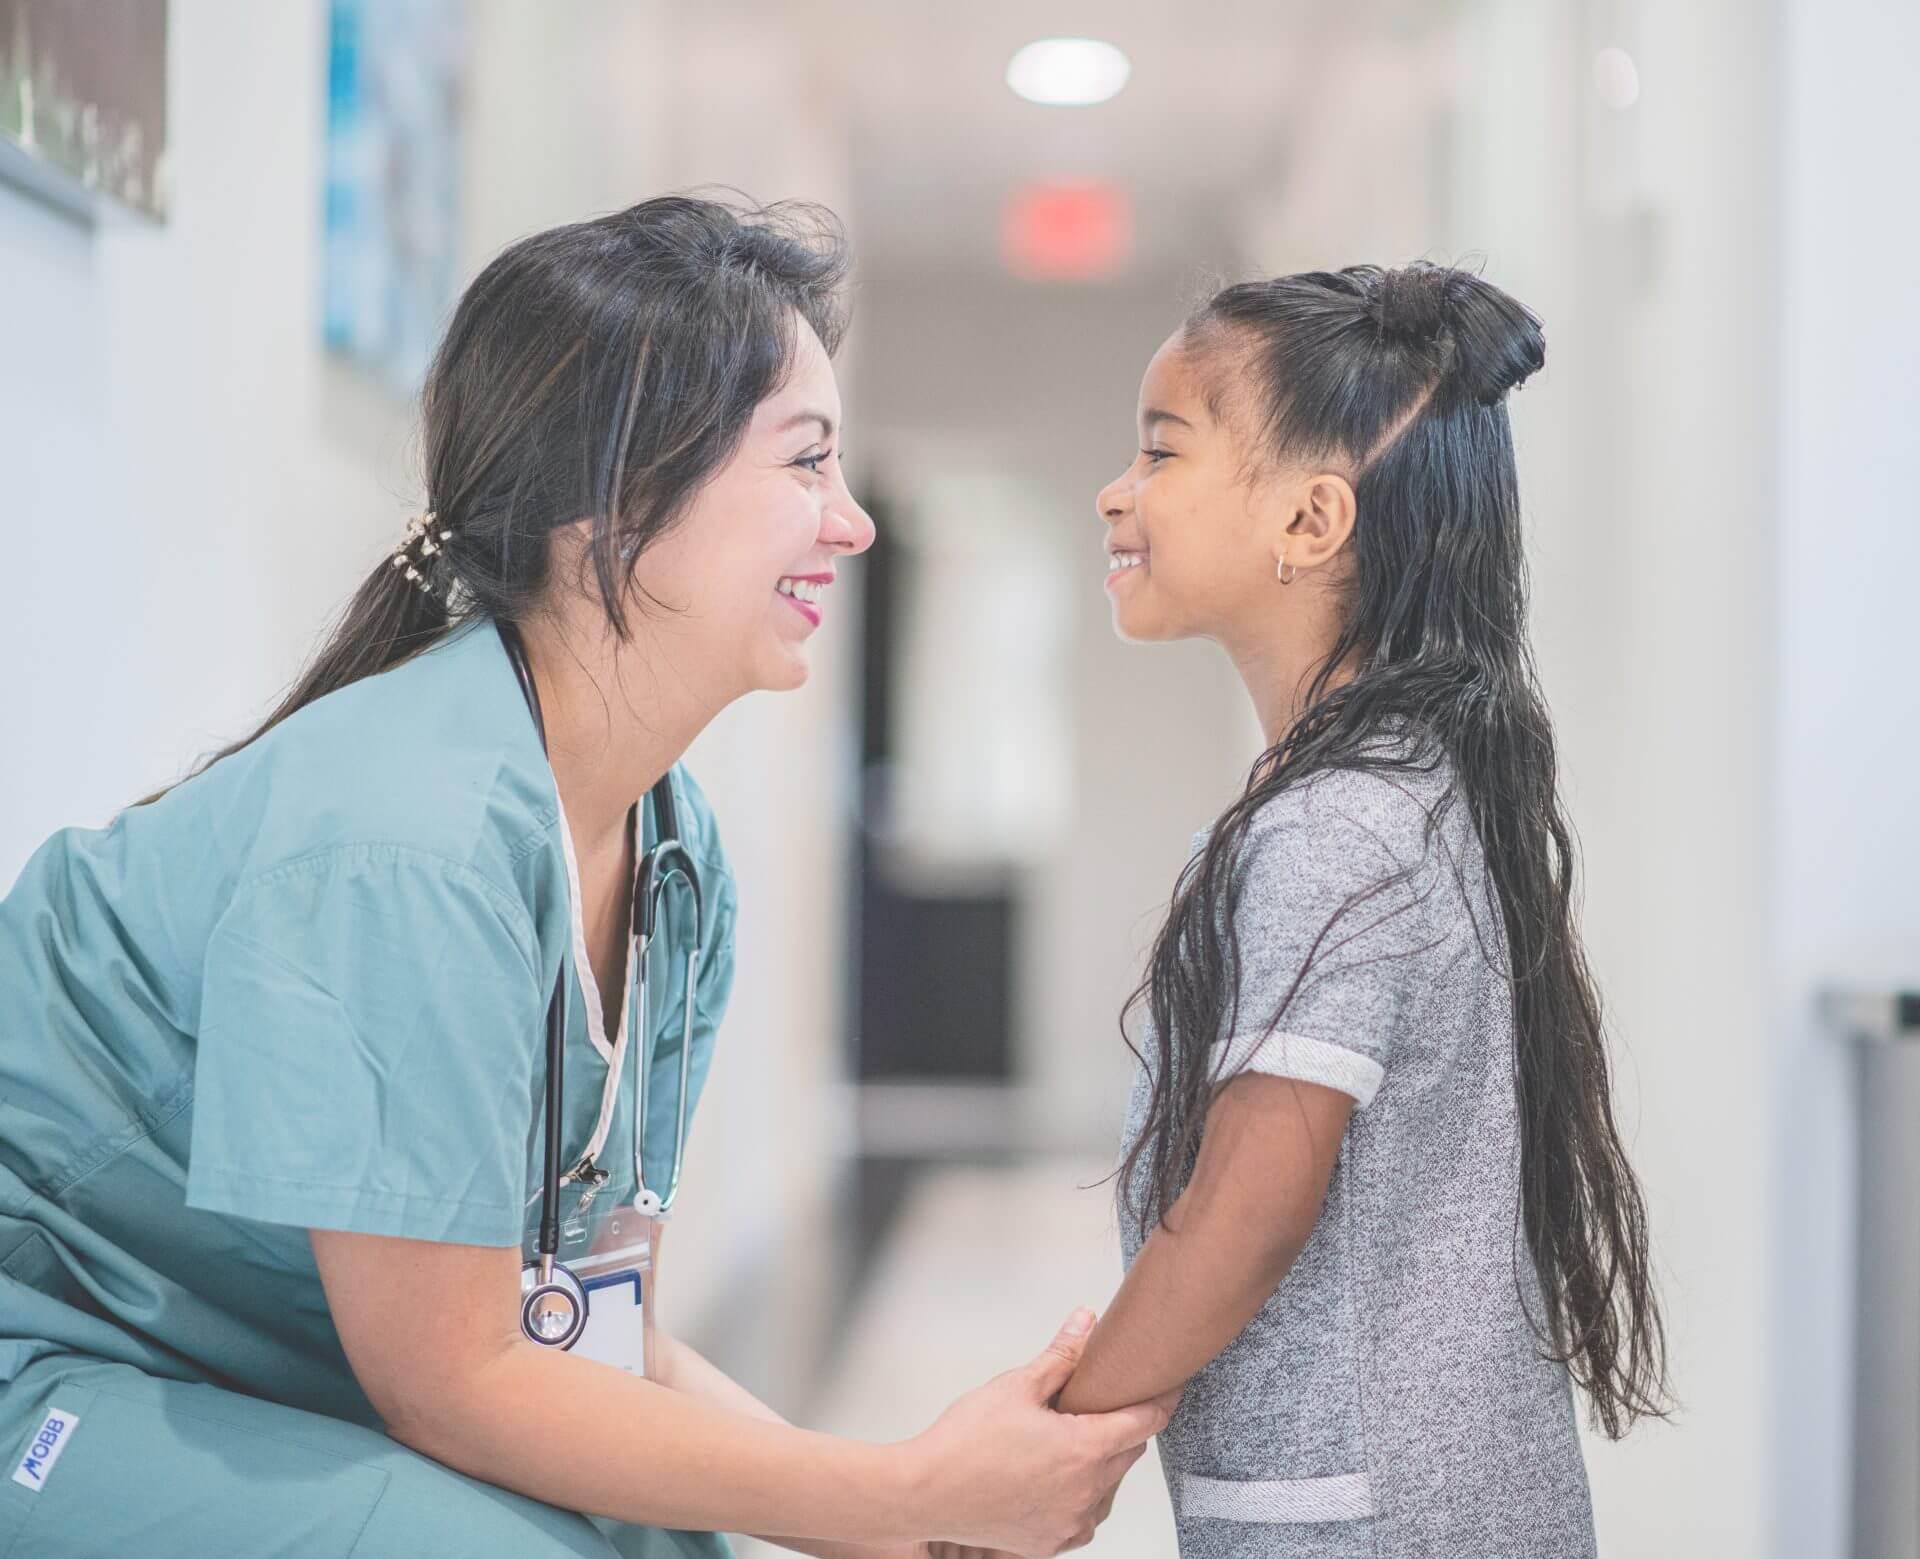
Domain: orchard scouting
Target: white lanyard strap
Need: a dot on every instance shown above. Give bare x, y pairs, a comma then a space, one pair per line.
634, 1016
614, 1055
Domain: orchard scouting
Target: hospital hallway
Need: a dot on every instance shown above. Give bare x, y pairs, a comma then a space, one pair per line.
956, 836
974, 1267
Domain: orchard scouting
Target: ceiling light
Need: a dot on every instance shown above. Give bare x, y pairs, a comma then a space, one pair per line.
1068, 72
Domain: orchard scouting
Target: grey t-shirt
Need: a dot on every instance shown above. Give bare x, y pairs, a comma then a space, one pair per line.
1390, 1399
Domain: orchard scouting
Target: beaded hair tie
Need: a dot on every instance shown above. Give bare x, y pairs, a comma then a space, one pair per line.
421, 534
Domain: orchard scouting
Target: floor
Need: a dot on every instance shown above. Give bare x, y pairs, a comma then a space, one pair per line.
977, 1267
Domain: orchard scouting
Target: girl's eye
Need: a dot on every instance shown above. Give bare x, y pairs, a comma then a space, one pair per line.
815, 462
1155, 456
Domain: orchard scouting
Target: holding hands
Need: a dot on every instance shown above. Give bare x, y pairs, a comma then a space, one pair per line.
1005, 1474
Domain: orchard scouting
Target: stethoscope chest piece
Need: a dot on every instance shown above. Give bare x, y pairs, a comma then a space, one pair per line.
553, 1312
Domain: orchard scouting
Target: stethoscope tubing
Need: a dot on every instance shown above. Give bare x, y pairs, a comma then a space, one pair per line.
658, 867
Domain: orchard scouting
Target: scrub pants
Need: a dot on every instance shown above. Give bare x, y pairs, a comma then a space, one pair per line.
156, 1469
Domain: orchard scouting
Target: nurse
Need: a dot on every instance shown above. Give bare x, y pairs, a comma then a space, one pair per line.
273, 1045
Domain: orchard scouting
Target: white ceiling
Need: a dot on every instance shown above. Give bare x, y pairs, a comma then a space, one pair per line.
1240, 116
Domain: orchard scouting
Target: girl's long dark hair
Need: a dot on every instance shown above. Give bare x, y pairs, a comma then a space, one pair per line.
601, 371
1402, 377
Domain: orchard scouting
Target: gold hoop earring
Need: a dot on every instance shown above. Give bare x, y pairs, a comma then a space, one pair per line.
1285, 577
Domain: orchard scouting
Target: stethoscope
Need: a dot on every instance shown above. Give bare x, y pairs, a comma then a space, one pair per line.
553, 1306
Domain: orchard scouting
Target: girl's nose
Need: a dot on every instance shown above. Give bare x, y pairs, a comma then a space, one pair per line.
1114, 500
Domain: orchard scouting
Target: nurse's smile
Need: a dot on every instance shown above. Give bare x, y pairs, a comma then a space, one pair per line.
803, 592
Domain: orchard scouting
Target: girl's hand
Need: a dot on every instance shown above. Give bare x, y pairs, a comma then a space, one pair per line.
1001, 1470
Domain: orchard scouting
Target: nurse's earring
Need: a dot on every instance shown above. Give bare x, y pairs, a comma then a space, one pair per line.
1285, 577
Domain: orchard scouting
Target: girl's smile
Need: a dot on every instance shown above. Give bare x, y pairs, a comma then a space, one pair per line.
1122, 562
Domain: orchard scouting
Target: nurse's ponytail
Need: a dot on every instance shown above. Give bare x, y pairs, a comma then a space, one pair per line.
601, 371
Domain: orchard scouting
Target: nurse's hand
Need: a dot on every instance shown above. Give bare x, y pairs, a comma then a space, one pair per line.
960, 1551
1001, 1470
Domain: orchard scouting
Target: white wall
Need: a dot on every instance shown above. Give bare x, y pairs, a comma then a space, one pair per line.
1715, 469
184, 521
191, 488
1847, 749
1643, 238
52, 419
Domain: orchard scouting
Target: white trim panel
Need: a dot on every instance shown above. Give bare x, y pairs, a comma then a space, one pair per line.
1280, 1501
1294, 1055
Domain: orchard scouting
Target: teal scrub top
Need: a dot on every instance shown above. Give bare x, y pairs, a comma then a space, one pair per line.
308, 989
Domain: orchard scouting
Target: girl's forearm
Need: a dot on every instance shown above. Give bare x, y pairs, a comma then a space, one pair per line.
580, 1435
1265, 1159
1186, 1297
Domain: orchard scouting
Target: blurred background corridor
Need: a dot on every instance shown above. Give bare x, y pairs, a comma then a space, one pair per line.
949, 874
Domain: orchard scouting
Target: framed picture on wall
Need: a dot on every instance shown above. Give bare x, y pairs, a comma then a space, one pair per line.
83, 102
394, 88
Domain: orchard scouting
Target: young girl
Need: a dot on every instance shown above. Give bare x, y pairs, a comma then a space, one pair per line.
1376, 1211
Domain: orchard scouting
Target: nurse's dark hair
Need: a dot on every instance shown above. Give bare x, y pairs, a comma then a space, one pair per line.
1399, 379
600, 371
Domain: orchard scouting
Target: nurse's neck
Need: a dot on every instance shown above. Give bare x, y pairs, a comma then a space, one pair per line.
617, 717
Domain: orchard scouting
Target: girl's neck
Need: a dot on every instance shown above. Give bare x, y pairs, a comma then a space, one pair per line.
1277, 656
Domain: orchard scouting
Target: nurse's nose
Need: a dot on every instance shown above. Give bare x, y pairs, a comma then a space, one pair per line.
845, 525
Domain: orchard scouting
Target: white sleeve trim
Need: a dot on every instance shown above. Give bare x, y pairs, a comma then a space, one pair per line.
1281, 1054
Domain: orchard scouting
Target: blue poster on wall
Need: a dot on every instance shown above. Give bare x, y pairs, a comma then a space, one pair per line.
394, 77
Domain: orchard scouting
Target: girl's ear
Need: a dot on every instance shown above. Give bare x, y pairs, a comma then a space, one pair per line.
1319, 521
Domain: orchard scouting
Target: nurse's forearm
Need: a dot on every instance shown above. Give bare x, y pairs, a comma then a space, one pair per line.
432, 1332
684, 1369
580, 1435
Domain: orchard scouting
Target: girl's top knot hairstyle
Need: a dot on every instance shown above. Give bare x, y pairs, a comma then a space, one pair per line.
1492, 343
1346, 362
1411, 305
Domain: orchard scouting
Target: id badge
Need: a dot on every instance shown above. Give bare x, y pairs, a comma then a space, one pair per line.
618, 1274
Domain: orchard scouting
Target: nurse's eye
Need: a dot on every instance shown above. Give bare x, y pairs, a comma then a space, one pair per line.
813, 463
